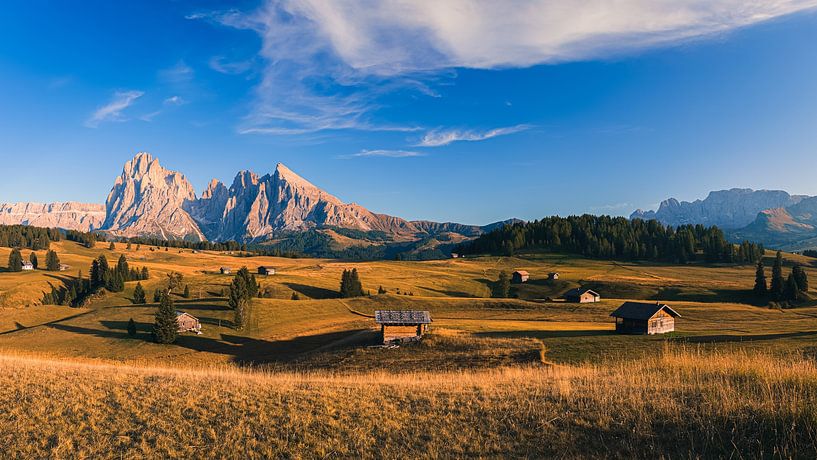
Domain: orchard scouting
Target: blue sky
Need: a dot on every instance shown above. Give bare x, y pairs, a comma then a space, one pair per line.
454, 111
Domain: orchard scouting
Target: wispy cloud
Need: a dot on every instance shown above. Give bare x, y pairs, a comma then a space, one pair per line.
174, 100
383, 154
222, 65
440, 137
327, 63
179, 73
112, 111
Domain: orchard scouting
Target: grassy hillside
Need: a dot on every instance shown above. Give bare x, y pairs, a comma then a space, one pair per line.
676, 403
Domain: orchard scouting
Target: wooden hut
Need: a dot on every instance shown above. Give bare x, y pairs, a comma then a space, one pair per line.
266, 270
225, 270
520, 276
644, 318
402, 325
188, 322
27, 265
582, 295
553, 276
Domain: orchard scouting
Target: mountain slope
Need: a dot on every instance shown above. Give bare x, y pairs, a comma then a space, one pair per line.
728, 209
148, 200
68, 215
790, 228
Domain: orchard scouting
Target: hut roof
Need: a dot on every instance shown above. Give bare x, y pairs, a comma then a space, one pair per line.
182, 313
522, 272
580, 291
402, 317
642, 310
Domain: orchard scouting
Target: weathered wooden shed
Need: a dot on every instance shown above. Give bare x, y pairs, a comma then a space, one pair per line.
266, 270
520, 276
188, 322
644, 318
402, 325
225, 270
553, 276
582, 295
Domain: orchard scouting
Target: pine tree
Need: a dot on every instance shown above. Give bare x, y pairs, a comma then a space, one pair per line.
145, 274
104, 271
131, 328
791, 292
186, 293
502, 287
344, 285
52, 261
33, 259
122, 267
355, 285
778, 283
139, 294
157, 295
128, 247
380, 290
295, 296
166, 326
15, 261
112, 246
760, 280
801, 277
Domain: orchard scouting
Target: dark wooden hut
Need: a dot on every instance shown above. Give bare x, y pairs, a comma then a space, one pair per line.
644, 318
402, 325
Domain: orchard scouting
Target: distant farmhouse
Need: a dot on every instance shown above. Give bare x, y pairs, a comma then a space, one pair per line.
188, 322
644, 318
402, 325
266, 270
28, 265
64, 267
225, 270
581, 295
553, 276
520, 276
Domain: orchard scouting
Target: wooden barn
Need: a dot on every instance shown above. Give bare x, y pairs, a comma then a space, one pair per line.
644, 318
582, 295
402, 325
28, 265
266, 270
225, 270
553, 276
188, 322
520, 276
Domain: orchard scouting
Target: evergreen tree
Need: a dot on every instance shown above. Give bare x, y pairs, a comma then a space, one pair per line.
104, 271
760, 280
186, 293
295, 296
122, 267
380, 290
145, 274
166, 326
801, 277
502, 287
15, 261
344, 284
33, 259
250, 282
128, 247
112, 246
131, 328
139, 294
778, 283
95, 276
790, 291
52, 261
157, 295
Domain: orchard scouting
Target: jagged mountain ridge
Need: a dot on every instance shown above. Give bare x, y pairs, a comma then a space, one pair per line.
149, 200
728, 209
69, 215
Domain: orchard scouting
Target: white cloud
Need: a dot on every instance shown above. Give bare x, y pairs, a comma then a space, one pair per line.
327, 62
222, 65
440, 137
112, 111
179, 73
384, 153
174, 100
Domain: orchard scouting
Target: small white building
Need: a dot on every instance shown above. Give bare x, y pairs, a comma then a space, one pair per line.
28, 265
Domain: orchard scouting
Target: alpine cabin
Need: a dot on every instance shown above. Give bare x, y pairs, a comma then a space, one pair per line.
225, 270
266, 270
188, 322
581, 295
644, 318
27, 266
402, 325
520, 276
553, 276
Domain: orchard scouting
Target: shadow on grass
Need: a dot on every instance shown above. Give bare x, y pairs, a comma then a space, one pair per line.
313, 291
546, 334
448, 293
241, 349
722, 338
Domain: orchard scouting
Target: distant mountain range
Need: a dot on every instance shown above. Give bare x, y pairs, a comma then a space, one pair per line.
772, 217
148, 200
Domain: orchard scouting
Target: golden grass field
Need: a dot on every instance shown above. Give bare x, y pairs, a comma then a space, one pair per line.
520, 377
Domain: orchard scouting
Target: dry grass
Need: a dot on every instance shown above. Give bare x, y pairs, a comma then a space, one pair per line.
679, 403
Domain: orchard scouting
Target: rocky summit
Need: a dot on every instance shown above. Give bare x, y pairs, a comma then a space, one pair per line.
69, 215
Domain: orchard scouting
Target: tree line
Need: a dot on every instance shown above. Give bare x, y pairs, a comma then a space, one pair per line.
790, 289
616, 238
102, 275
27, 237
